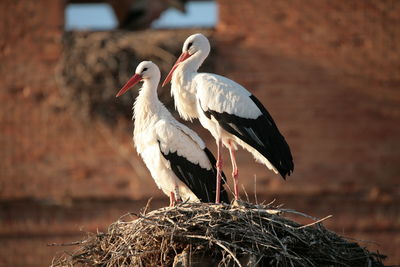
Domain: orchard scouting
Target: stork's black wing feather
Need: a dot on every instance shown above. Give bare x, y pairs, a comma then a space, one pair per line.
201, 182
260, 133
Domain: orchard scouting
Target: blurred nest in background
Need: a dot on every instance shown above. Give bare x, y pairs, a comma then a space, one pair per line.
95, 65
201, 234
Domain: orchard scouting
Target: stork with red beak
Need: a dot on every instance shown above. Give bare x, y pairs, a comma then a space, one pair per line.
177, 158
231, 113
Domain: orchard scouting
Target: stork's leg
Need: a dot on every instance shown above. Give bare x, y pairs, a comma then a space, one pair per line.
172, 199
177, 195
235, 171
219, 171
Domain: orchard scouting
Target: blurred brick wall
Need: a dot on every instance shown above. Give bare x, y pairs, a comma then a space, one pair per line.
329, 72
47, 152
30, 42
358, 37
30, 45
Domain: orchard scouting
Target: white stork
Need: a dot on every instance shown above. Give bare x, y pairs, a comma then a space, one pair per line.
177, 158
231, 113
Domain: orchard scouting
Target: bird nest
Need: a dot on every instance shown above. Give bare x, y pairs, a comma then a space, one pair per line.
200, 234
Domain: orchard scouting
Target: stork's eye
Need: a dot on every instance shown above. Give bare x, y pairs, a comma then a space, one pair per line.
189, 45
144, 69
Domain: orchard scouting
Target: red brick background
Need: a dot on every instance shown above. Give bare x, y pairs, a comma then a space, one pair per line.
329, 73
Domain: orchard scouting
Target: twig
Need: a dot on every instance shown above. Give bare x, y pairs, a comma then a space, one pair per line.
67, 244
316, 222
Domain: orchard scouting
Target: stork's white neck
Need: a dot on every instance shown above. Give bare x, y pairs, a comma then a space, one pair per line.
193, 63
149, 88
146, 112
182, 87
147, 103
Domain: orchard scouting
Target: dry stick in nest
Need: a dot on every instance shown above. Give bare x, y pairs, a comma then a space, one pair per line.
223, 234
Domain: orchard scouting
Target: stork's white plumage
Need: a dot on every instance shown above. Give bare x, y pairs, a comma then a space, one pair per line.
231, 113
177, 158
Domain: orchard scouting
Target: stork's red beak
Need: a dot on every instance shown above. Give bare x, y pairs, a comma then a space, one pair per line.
132, 81
182, 57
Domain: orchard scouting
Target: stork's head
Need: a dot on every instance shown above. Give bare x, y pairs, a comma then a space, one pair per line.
146, 70
196, 44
